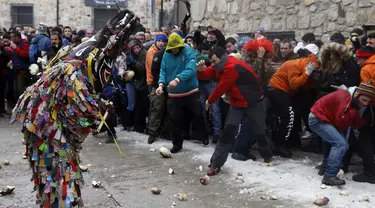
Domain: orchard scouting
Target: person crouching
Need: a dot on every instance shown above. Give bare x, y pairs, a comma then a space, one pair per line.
330, 118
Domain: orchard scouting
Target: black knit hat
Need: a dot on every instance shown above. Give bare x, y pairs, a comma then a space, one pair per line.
308, 37
338, 38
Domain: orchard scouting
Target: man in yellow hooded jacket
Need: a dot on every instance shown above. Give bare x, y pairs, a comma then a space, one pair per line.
178, 77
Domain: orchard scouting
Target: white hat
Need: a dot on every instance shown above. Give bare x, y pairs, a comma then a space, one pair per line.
312, 48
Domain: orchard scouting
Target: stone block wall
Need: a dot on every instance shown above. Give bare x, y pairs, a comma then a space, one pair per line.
73, 12
323, 17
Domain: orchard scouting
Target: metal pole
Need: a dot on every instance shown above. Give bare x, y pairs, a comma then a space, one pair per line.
177, 12
57, 12
161, 14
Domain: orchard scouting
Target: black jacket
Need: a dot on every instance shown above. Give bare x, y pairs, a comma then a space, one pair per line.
139, 68
349, 75
155, 67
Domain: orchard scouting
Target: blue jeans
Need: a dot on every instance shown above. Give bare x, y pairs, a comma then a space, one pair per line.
131, 93
336, 139
205, 90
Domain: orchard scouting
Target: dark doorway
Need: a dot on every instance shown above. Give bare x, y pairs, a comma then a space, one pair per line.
101, 17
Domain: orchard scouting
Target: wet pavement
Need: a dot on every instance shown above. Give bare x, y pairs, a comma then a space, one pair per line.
127, 180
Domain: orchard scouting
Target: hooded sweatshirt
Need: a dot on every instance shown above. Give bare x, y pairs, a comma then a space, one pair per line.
335, 109
368, 71
181, 67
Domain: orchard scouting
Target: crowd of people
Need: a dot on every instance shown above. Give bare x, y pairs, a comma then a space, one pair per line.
241, 92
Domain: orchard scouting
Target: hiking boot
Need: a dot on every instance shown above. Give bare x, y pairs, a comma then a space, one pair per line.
205, 141
176, 149
283, 152
213, 171
110, 139
333, 181
151, 139
240, 157
215, 139
364, 178
251, 156
321, 170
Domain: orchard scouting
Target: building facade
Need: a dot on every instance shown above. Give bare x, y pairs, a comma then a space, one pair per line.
81, 14
323, 17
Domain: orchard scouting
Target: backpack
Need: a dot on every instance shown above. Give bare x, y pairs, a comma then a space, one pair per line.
33, 52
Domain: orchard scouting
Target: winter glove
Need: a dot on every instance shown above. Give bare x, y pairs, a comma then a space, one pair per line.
341, 87
201, 65
310, 67
130, 59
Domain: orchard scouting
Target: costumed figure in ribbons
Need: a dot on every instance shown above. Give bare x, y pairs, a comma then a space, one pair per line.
59, 110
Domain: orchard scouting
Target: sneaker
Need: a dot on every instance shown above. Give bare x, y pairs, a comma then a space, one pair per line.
364, 178
176, 149
283, 152
307, 135
215, 139
25, 156
240, 157
333, 181
213, 171
151, 139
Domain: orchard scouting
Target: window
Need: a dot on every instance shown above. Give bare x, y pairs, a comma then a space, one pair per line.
22, 15
101, 17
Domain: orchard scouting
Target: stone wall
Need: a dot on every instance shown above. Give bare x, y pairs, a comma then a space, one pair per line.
323, 17
75, 14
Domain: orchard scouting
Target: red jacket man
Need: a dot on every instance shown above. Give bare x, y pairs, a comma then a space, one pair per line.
336, 109
239, 81
236, 79
330, 118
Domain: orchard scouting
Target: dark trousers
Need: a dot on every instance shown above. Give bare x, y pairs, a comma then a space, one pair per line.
366, 150
302, 102
2, 92
282, 107
10, 96
21, 82
177, 108
256, 118
159, 122
244, 139
141, 110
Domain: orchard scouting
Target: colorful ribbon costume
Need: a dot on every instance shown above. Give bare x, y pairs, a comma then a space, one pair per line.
58, 111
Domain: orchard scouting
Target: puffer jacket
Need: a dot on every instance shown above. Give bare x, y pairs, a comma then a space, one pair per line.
335, 109
343, 70
368, 71
237, 79
291, 74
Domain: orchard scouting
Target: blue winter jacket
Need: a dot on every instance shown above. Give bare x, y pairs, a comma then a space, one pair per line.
181, 66
43, 43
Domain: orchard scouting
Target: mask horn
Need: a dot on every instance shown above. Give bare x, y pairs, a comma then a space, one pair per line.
118, 7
